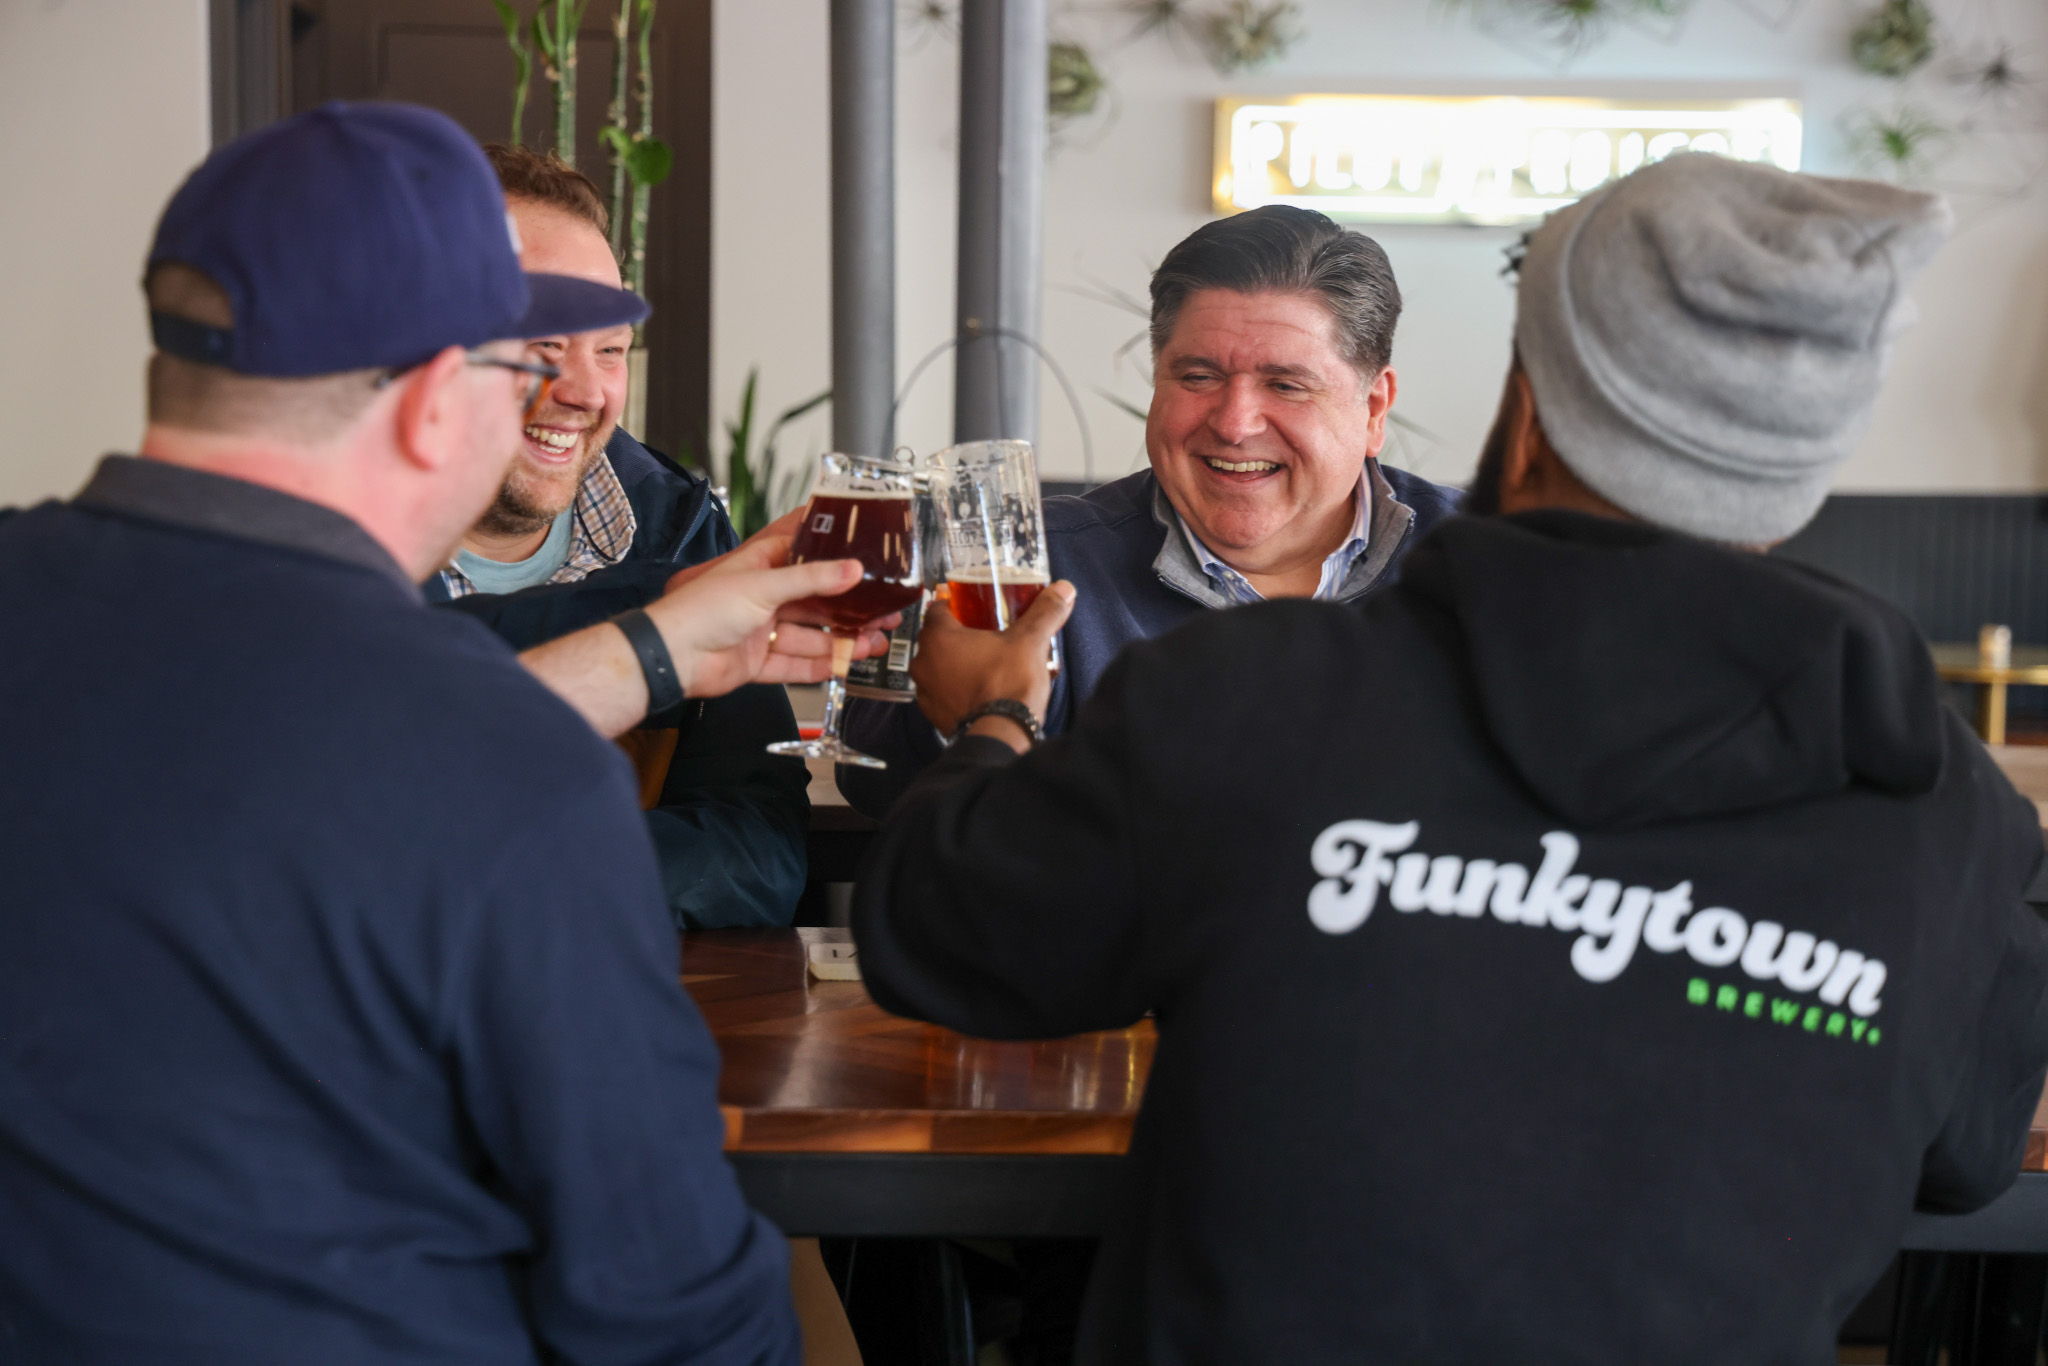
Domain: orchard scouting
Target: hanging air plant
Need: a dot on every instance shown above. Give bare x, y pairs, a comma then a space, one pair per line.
925, 20
1896, 40
1898, 144
1158, 16
1573, 23
1569, 25
1245, 35
1997, 75
1073, 84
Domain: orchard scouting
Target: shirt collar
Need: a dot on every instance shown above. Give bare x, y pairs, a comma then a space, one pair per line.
1335, 565
602, 526
219, 504
604, 521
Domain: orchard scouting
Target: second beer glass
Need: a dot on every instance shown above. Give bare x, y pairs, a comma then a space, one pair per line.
986, 493
865, 509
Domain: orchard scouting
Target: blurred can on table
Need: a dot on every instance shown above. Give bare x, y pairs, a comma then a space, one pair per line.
1994, 647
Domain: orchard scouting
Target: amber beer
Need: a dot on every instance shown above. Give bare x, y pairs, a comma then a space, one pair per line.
972, 593
880, 531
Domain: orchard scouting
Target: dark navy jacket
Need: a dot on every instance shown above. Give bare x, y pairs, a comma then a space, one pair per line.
339, 1019
730, 827
1137, 579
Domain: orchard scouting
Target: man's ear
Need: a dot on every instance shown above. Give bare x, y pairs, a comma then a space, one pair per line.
1522, 448
1379, 401
430, 412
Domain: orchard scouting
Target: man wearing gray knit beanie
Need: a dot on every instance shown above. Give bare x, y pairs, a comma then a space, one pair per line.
1703, 341
1592, 947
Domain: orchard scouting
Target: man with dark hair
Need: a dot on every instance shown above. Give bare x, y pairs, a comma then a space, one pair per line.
339, 1019
583, 497
1589, 949
1272, 337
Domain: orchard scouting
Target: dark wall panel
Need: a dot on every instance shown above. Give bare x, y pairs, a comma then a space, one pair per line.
1953, 562
451, 54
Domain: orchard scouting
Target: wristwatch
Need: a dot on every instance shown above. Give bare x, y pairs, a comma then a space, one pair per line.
1008, 708
664, 690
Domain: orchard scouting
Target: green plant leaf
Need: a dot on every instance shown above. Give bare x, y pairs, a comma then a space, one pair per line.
619, 140
739, 473
509, 17
792, 414
543, 36
649, 160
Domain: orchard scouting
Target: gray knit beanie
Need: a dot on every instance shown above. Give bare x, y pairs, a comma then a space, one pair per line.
1705, 337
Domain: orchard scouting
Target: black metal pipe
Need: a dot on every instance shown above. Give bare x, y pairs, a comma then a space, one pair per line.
1002, 198
863, 224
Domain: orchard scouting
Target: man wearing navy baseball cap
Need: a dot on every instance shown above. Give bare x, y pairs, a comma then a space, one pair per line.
339, 1021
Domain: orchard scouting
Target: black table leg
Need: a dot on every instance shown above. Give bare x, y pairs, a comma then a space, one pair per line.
954, 1315
2010, 1311
1921, 1313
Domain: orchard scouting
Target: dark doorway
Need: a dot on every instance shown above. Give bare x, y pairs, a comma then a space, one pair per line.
451, 55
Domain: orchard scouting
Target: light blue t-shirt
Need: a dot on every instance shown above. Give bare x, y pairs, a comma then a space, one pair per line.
509, 576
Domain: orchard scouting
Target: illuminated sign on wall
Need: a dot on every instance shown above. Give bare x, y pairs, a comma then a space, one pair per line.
1450, 159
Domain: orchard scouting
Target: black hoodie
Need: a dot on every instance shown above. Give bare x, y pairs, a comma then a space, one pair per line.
1588, 950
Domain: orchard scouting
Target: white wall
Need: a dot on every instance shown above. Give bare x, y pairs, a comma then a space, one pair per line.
1967, 408
103, 109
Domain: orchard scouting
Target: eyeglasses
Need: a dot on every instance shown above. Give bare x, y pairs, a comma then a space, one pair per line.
540, 378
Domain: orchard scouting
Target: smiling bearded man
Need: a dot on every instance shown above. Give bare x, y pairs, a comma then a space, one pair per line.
564, 510
584, 503
569, 432
1272, 336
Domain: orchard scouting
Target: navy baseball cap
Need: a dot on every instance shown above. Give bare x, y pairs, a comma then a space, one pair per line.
358, 237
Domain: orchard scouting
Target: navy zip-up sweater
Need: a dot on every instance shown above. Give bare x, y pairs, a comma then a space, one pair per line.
1135, 580
339, 1017
730, 826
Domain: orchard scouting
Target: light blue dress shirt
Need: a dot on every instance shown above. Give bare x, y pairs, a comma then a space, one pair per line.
1335, 565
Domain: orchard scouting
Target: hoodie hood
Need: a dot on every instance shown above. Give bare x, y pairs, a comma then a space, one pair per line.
1704, 680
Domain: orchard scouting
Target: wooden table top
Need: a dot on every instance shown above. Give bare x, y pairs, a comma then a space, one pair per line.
2036, 1159
1965, 664
818, 1067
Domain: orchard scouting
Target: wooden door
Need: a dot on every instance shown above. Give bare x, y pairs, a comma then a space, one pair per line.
452, 56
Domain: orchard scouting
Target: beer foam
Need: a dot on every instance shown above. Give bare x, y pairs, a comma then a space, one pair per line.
982, 573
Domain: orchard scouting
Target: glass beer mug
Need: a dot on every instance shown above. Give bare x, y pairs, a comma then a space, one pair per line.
987, 497
862, 508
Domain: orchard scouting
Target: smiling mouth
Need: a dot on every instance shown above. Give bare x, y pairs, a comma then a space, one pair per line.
551, 444
1240, 466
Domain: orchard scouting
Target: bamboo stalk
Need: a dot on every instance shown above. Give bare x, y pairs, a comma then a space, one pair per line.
522, 63
636, 268
615, 118
568, 17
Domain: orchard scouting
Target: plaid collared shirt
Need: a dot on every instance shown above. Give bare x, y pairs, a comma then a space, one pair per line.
601, 529
1335, 565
